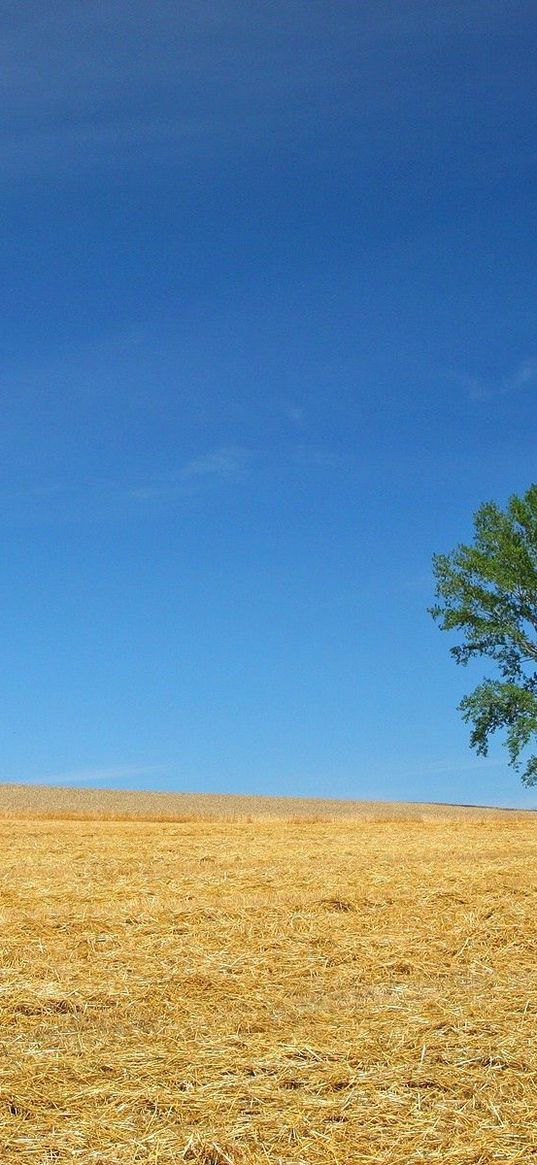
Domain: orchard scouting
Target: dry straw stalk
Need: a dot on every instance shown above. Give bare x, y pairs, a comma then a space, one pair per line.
269, 991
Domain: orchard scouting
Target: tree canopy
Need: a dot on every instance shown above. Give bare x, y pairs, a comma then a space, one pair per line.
487, 592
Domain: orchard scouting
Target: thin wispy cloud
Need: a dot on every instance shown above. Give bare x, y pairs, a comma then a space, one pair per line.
293, 413
215, 469
206, 474
438, 768
319, 457
98, 776
225, 464
523, 377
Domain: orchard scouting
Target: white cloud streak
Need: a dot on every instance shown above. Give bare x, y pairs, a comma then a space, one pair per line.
226, 464
523, 376
208, 471
205, 474
96, 776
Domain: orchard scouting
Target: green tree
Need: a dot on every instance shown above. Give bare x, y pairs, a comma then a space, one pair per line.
488, 593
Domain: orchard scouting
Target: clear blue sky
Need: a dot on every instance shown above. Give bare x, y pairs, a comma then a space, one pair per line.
269, 339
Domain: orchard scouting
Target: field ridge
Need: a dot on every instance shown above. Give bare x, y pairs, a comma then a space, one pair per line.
69, 801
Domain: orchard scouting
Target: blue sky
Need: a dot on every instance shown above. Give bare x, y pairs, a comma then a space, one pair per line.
269, 340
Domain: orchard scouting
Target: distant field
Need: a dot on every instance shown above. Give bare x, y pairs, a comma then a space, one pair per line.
65, 801
265, 992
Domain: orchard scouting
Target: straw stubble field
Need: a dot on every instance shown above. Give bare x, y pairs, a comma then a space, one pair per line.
269, 990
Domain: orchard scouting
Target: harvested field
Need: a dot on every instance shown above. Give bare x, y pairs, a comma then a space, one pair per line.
224, 992
65, 801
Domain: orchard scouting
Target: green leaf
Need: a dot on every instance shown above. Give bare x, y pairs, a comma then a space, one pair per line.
486, 592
